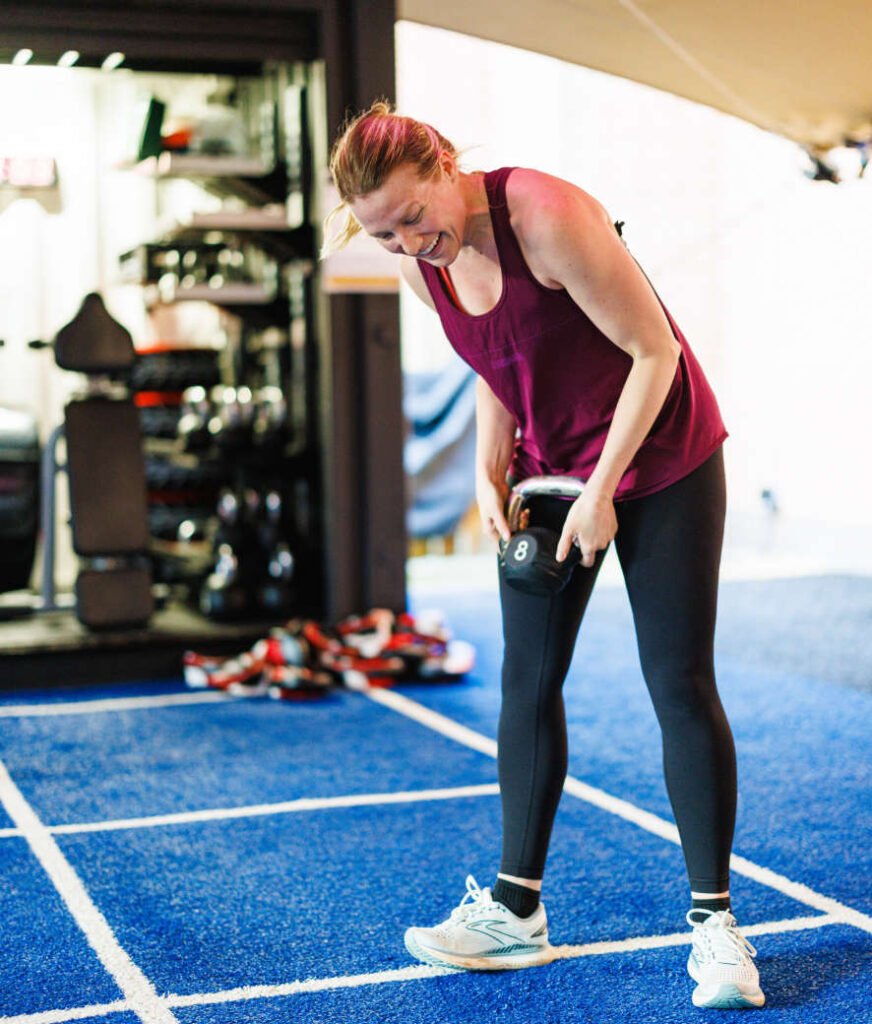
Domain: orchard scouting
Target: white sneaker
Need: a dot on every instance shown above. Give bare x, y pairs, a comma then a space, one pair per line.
720, 963
483, 935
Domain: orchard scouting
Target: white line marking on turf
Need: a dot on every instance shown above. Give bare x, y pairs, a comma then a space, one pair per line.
61, 1016
432, 719
91, 707
415, 972
140, 994
258, 810
418, 972
793, 924
621, 808
292, 988
801, 893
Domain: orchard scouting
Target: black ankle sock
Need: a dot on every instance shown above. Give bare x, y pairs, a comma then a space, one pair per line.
520, 899
714, 903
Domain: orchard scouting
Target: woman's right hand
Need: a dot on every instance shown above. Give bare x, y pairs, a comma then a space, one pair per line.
491, 498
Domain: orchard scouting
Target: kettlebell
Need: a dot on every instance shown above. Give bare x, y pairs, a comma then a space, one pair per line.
528, 560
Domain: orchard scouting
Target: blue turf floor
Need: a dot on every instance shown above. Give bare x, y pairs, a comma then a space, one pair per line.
203, 907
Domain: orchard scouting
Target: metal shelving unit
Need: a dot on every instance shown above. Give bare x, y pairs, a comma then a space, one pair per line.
267, 248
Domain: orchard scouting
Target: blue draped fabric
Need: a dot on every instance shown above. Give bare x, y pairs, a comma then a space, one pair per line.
439, 450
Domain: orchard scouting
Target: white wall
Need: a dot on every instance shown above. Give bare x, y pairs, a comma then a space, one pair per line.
765, 271
56, 247
48, 252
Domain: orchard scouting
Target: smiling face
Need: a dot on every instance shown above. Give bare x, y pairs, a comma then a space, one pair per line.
414, 216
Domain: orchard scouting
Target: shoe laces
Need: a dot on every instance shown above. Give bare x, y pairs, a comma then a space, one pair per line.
719, 934
475, 900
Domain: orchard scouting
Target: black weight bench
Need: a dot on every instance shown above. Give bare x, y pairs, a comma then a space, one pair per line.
105, 465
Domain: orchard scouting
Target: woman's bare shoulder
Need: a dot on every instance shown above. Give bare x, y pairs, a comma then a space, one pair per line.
551, 218
534, 195
525, 185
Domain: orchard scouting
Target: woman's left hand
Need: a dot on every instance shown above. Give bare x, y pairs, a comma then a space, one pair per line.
591, 523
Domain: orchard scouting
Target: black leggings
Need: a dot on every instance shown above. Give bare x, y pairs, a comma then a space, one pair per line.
669, 547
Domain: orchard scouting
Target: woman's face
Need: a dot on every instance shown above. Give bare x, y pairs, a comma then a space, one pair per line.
420, 217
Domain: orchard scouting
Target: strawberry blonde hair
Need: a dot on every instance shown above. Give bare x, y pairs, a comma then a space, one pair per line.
370, 146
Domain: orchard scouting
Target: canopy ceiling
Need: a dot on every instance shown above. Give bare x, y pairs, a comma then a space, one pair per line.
799, 68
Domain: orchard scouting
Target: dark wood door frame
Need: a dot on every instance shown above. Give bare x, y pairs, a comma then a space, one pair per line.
362, 417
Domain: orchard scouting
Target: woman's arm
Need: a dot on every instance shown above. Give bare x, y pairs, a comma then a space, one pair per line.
494, 443
494, 433
570, 242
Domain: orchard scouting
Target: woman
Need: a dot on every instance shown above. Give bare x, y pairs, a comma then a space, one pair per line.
582, 372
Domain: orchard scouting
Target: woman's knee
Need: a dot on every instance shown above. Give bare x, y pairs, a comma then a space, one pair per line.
684, 692
533, 682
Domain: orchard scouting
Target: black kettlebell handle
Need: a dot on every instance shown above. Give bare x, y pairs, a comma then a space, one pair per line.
534, 486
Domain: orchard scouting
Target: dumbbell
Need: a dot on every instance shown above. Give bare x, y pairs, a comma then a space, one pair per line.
270, 417
275, 593
528, 559
193, 425
234, 529
279, 560
222, 596
232, 416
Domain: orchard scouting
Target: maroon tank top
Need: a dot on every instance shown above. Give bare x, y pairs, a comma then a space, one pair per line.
561, 377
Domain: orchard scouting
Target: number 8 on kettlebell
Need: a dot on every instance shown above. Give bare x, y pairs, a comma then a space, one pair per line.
521, 551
